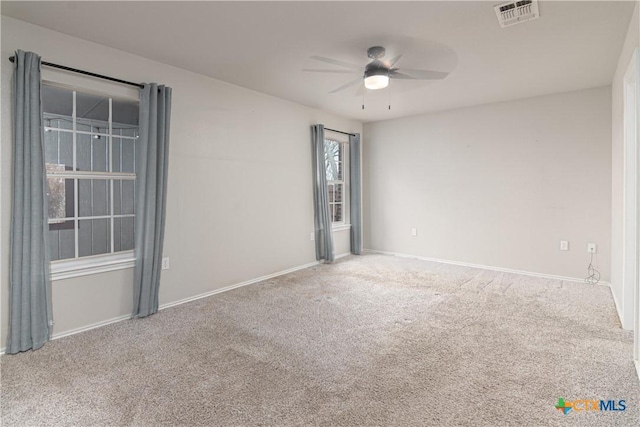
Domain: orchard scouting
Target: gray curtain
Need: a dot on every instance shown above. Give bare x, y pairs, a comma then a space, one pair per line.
355, 192
322, 213
152, 154
30, 316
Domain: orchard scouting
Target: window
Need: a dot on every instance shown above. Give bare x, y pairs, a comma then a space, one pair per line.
90, 143
334, 160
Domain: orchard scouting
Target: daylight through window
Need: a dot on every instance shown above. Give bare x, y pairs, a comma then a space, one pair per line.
90, 143
334, 160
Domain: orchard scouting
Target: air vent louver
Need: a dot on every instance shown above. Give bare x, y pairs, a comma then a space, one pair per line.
516, 12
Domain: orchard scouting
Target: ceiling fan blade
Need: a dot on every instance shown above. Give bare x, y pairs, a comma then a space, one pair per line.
417, 74
351, 83
337, 62
394, 60
317, 70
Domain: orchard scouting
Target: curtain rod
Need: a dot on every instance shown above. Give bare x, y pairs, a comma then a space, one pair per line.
339, 131
86, 73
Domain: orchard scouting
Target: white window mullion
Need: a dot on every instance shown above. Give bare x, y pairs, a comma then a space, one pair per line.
58, 146
85, 132
58, 220
93, 175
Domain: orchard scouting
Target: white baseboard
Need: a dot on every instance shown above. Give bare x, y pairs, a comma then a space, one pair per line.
82, 329
237, 285
342, 255
183, 301
484, 267
637, 363
89, 327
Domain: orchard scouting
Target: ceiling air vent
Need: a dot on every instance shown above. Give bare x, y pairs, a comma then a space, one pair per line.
516, 12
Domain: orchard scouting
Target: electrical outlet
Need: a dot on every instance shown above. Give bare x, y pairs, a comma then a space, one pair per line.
414, 232
165, 263
313, 236
564, 245
591, 248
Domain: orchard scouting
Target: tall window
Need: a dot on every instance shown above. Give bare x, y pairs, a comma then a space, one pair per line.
334, 160
90, 143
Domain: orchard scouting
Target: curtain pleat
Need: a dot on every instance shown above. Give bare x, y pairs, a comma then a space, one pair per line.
30, 315
322, 213
152, 154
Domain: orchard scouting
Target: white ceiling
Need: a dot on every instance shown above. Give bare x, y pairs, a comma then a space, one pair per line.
264, 46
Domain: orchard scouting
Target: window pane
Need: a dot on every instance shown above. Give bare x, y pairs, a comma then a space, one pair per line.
94, 237
100, 197
128, 197
117, 196
58, 122
92, 151
65, 151
337, 215
62, 243
83, 159
116, 154
93, 197
332, 150
51, 146
337, 192
123, 155
128, 156
57, 192
53, 244
125, 112
100, 152
123, 197
57, 100
58, 146
92, 107
117, 234
123, 235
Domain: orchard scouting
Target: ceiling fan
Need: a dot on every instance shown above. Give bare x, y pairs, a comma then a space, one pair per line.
378, 72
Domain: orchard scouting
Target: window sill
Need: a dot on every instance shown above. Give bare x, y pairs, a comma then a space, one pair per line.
341, 227
68, 268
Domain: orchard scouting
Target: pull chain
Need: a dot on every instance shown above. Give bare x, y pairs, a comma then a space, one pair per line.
389, 94
363, 91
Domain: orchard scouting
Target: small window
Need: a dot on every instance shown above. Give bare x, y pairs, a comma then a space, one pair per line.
90, 144
334, 160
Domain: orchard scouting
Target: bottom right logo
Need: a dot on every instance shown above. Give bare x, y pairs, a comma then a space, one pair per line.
590, 405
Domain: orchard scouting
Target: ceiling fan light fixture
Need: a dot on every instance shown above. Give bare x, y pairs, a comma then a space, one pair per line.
376, 81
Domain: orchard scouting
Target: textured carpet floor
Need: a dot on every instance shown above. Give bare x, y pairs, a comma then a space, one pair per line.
370, 340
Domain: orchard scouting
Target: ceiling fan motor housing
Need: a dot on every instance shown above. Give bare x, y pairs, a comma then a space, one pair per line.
375, 70
376, 76
376, 52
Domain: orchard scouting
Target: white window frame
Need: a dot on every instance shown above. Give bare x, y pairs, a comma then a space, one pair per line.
344, 148
92, 264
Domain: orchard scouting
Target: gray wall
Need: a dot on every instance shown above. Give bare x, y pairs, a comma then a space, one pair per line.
497, 185
240, 191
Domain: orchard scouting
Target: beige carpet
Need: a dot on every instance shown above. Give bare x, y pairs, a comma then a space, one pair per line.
370, 340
